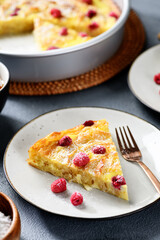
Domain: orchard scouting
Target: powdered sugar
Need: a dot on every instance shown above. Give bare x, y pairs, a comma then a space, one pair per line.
5, 223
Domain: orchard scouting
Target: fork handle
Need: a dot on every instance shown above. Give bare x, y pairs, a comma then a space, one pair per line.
151, 176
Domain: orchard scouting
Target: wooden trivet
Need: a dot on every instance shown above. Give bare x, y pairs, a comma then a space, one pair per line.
133, 41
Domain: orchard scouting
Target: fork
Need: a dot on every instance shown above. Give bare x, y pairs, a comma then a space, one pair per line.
131, 152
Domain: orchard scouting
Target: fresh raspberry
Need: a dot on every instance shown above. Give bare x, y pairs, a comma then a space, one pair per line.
83, 34
59, 185
64, 31
88, 123
65, 141
93, 26
113, 14
52, 48
98, 150
56, 13
81, 159
15, 12
76, 199
157, 78
117, 181
87, 1
91, 13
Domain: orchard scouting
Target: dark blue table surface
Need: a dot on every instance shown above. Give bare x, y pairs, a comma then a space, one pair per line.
40, 225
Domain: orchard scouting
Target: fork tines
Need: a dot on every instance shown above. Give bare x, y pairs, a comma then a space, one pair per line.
125, 139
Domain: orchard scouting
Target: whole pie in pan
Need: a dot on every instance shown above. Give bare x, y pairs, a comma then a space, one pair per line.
88, 18
84, 154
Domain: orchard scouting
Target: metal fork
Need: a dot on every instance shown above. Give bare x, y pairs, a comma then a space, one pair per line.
131, 152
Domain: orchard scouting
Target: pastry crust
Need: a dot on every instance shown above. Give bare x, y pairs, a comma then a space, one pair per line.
47, 155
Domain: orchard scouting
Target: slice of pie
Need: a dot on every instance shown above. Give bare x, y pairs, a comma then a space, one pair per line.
84, 154
16, 16
49, 36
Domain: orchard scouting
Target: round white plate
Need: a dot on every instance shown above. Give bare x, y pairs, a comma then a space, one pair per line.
34, 185
140, 79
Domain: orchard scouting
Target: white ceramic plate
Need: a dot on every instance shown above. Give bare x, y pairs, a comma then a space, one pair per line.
34, 185
141, 76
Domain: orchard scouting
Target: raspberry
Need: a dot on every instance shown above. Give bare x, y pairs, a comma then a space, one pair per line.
56, 13
83, 34
15, 13
157, 78
113, 14
87, 1
88, 123
76, 199
93, 26
91, 13
98, 150
117, 181
53, 47
65, 141
81, 159
64, 31
59, 185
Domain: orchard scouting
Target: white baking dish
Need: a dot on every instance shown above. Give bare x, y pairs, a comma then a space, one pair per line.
36, 66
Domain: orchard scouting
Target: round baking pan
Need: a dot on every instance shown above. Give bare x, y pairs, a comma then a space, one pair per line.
67, 62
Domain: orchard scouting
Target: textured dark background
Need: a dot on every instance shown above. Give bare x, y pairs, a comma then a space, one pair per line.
38, 224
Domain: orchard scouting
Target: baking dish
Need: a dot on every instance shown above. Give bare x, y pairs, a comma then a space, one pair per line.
67, 62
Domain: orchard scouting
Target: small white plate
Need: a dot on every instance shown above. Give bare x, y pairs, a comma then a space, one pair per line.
34, 185
140, 79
